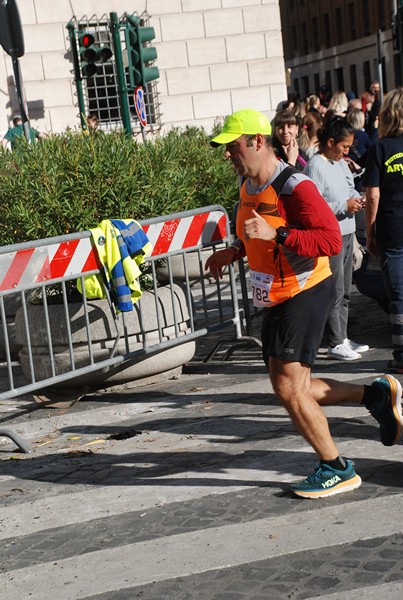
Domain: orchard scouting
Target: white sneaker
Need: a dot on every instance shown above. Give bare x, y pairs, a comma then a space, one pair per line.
343, 352
355, 346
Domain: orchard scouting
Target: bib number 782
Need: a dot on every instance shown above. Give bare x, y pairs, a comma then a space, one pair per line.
261, 284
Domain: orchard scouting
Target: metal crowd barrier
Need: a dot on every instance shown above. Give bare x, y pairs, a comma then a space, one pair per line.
89, 336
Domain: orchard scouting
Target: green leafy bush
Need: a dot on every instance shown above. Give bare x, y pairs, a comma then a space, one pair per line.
72, 181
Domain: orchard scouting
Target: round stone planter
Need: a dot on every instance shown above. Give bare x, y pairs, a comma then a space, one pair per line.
178, 268
103, 335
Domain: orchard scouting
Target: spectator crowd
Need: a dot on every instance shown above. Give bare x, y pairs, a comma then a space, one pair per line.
352, 148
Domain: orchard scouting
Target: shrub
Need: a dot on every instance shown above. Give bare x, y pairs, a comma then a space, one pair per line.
72, 181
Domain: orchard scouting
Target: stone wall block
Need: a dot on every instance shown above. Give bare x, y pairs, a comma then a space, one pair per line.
229, 76
267, 71
254, 97
188, 81
245, 47
239, 3
223, 22
44, 38
200, 5
172, 55
50, 93
262, 18
51, 11
207, 51
212, 104
177, 108
182, 27
163, 7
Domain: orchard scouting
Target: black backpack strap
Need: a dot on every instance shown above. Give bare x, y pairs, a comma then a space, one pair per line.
283, 177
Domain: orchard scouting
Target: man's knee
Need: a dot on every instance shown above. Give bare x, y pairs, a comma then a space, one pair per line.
289, 381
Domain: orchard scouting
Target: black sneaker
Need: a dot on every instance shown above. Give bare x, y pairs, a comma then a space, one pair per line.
388, 410
395, 367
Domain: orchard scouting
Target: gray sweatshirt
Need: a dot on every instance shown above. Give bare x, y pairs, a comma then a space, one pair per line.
336, 184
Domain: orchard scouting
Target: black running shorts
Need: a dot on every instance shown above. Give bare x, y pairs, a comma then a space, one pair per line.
293, 330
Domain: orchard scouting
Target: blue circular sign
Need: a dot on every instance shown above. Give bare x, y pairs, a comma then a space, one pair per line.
140, 105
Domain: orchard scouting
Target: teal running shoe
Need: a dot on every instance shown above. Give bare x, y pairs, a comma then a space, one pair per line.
326, 481
388, 410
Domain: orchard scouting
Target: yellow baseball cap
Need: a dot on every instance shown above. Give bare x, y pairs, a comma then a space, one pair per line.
245, 121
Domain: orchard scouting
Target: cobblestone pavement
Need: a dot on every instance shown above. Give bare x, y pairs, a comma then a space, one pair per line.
179, 491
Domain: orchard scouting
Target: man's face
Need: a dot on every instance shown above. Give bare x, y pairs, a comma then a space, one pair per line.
354, 104
285, 133
241, 152
375, 88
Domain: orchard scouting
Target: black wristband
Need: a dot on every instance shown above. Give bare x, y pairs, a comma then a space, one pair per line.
282, 234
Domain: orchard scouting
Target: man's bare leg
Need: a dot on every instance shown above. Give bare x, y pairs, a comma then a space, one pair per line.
292, 384
303, 397
330, 391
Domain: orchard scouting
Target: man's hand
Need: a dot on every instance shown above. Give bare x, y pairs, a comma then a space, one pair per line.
220, 259
258, 228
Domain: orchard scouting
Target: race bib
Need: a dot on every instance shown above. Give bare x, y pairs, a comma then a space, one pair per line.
261, 284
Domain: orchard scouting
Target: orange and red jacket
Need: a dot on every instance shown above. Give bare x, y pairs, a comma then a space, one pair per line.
302, 261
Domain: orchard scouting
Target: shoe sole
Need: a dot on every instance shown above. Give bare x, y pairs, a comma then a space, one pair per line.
396, 403
344, 486
332, 357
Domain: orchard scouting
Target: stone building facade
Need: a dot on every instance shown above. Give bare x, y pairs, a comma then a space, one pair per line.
214, 57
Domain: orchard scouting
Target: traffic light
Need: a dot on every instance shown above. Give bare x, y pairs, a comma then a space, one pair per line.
91, 53
11, 34
138, 55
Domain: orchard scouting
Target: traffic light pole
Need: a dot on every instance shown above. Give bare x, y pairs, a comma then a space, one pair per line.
379, 52
397, 18
401, 43
120, 74
79, 84
20, 95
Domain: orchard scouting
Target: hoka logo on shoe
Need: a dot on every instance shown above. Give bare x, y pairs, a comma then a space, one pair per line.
332, 481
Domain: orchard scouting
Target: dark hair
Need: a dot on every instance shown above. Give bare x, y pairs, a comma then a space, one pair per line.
337, 129
284, 117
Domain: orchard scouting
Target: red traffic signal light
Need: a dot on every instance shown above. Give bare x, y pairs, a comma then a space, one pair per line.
91, 52
88, 54
86, 40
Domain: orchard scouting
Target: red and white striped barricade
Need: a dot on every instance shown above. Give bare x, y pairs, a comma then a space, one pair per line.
196, 308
